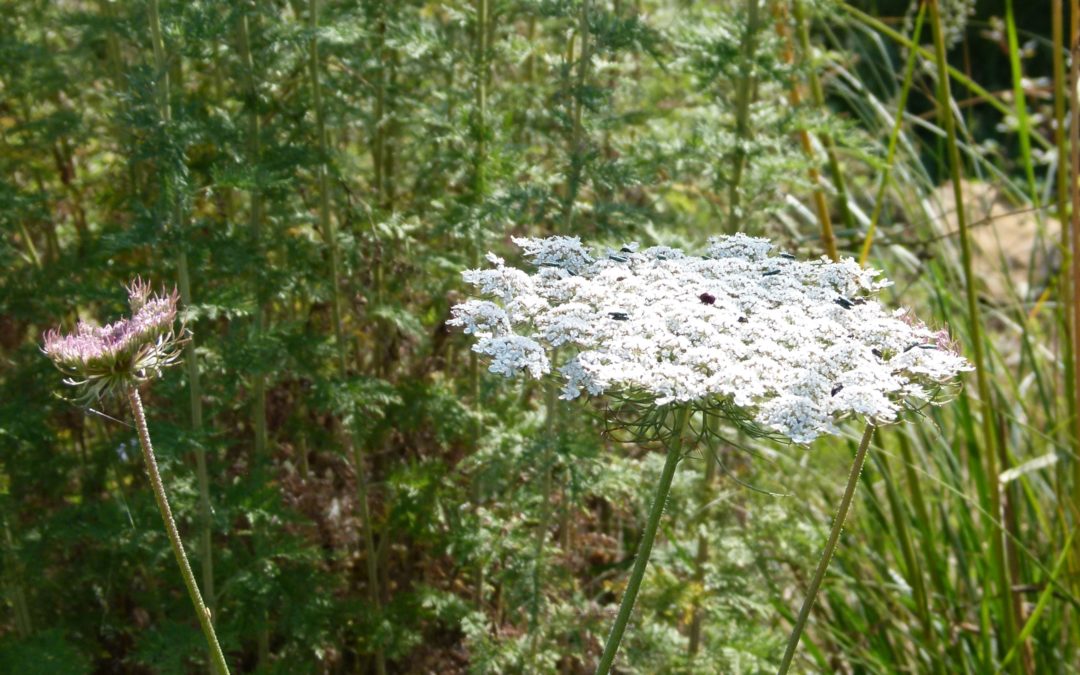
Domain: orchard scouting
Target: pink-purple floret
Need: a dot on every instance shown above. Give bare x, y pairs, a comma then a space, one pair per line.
128, 350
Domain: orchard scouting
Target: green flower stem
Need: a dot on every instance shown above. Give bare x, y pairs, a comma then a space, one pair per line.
830, 547
674, 451
217, 658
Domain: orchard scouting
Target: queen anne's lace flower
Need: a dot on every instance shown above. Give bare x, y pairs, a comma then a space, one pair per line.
795, 345
106, 359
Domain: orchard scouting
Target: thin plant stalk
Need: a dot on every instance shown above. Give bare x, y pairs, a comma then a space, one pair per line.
978, 91
817, 93
830, 548
217, 658
821, 205
894, 137
162, 65
1074, 222
551, 442
743, 89
663, 487
577, 132
989, 451
1063, 194
255, 223
16, 591
329, 229
701, 558
479, 191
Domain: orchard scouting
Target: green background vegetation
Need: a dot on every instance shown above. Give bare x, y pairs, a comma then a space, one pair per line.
358, 494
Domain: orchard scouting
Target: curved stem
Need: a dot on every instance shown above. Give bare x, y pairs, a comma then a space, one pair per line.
217, 658
674, 451
830, 547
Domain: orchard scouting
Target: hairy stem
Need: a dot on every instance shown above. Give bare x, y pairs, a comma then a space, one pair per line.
674, 454
830, 548
217, 658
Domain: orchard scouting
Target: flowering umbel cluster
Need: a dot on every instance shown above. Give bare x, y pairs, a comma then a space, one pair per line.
793, 345
102, 360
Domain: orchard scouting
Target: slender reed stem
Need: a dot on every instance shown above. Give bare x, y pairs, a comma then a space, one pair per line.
894, 137
329, 229
217, 658
674, 454
162, 65
1061, 96
821, 205
989, 451
830, 548
1074, 221
817, 93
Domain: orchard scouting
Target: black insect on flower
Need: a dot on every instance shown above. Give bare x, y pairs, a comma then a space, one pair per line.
619, 316
844, 302
859, 301
743, 319
626, 249
770, 273
618, 258
836, 390
876, 352
707, 298
787, 256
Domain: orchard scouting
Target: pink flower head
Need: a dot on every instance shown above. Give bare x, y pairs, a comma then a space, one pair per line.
108, 359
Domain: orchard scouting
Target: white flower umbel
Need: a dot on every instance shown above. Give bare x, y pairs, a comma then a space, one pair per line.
793, 345
776, 345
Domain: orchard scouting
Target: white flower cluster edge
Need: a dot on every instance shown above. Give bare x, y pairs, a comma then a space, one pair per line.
795, 344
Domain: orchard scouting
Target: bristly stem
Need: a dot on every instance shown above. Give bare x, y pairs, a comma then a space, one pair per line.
161, 64
830, 548
663, 487
217, 658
